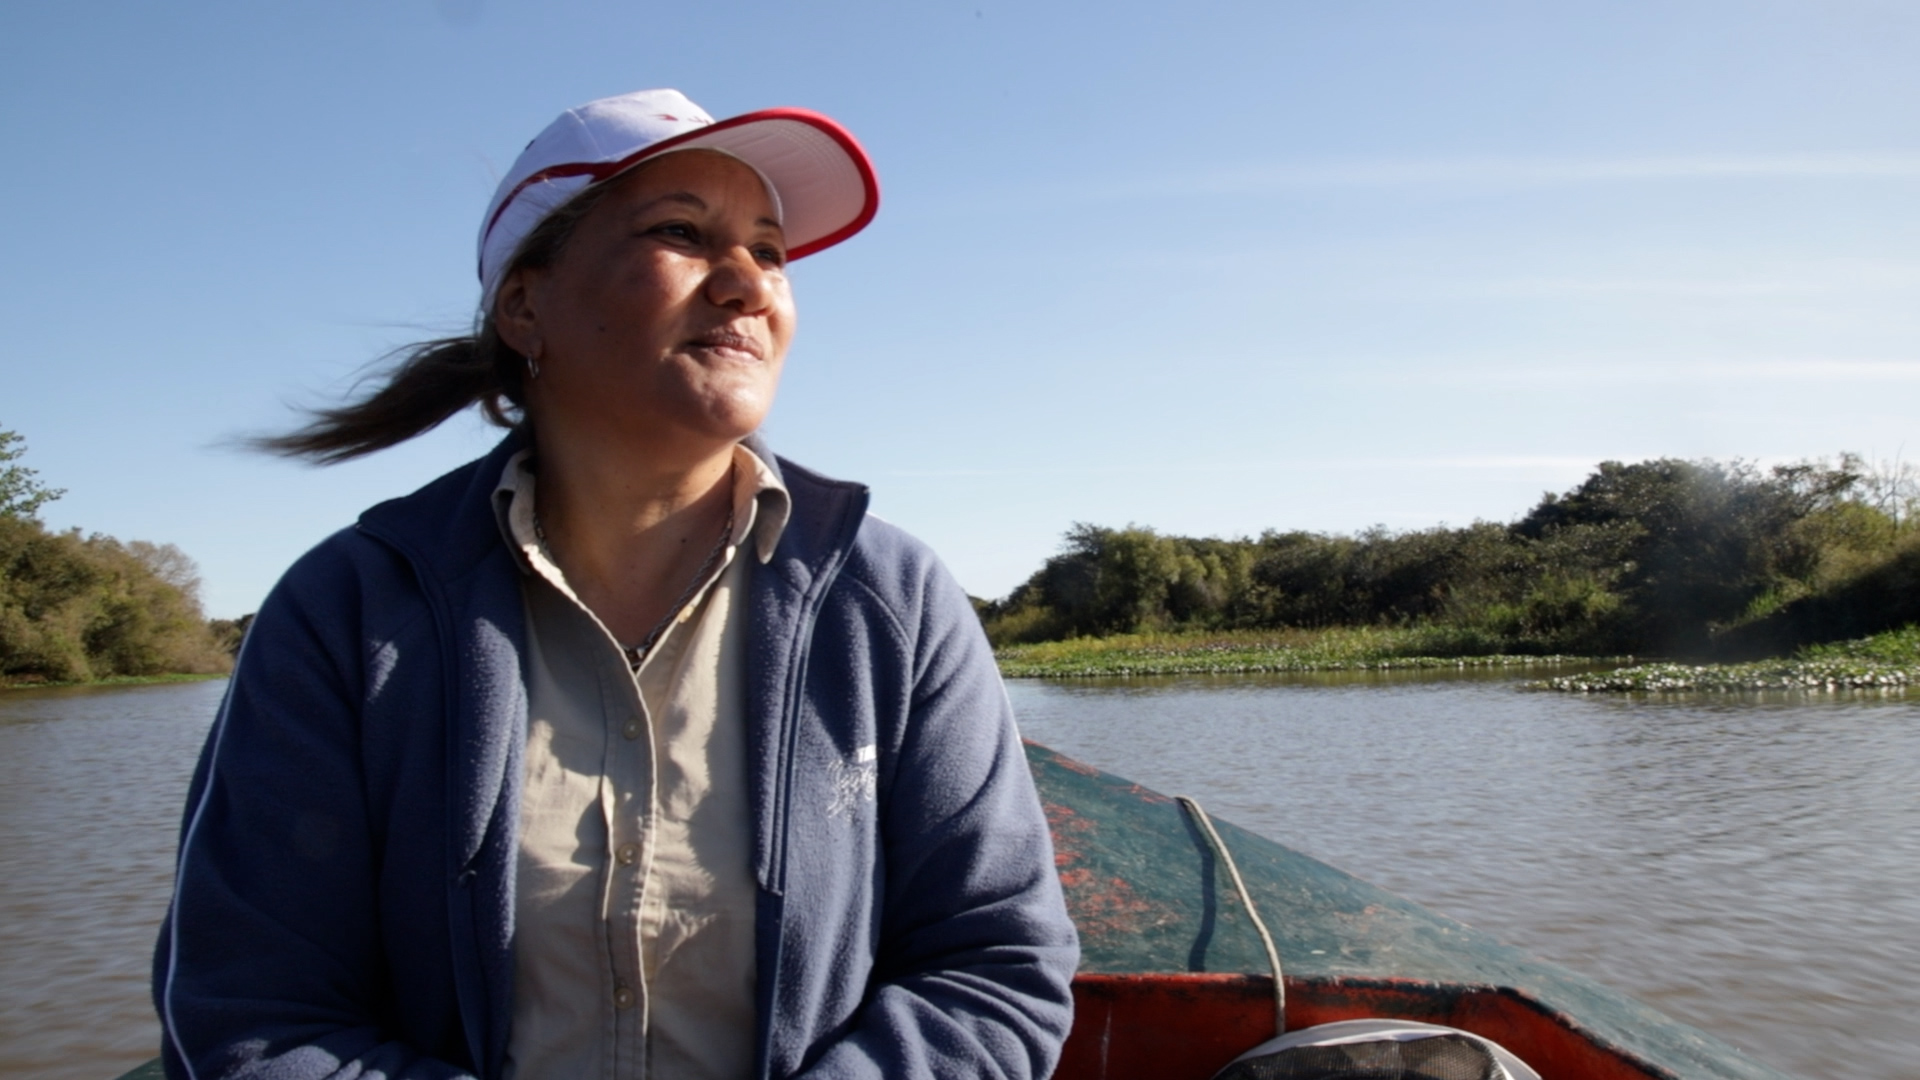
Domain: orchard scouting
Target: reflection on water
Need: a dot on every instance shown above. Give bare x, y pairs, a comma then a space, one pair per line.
91, 785
1750, 866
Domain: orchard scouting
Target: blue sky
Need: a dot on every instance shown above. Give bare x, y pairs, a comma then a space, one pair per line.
1209, 267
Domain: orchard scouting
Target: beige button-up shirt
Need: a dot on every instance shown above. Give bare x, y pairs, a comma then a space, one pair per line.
634, 917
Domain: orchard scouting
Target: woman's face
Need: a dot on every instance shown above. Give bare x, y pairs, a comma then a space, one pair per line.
668, 313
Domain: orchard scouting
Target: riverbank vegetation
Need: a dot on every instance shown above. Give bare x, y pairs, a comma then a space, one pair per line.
1245, 652
80, 609
1694, 559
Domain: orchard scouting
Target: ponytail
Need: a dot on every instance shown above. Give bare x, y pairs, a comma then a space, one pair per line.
431, 381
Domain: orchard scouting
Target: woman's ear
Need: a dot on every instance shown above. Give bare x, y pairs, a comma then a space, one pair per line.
514, 316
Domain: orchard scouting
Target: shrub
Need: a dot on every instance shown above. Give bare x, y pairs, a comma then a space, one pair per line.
75, 608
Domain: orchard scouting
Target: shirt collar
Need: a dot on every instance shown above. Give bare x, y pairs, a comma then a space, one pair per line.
755, 485
762, 506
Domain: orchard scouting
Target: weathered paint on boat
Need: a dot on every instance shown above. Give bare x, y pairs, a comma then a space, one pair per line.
1174, 983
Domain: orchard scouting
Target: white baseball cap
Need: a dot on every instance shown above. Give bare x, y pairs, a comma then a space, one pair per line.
822, 183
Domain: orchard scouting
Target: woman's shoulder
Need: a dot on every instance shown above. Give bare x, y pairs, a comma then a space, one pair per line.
832, 522
348, 585
879, 562
369, 575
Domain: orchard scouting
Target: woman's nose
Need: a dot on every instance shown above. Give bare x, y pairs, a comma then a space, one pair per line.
739, 281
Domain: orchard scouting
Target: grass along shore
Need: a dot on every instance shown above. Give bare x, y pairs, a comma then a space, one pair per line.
113, 680
1251, 652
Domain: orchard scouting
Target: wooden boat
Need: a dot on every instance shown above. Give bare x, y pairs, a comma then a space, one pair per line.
1174, 981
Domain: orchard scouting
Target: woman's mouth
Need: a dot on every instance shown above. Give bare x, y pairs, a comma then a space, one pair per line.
727, 342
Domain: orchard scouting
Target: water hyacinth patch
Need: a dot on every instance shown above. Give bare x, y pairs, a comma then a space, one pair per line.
1888, 662
1771, 675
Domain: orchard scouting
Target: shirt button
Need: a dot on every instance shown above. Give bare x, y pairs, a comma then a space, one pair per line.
626, 854
623, 998
631, 731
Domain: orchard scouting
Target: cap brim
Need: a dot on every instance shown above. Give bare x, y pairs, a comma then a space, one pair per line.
828, 189
826, 183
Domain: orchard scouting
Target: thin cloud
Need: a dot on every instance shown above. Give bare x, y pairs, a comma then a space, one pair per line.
1692, 289
1810, 370
1779, 277
1602, 369
1484, 463
1507, 172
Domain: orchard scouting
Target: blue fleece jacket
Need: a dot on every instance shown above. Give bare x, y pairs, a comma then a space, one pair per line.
344, 898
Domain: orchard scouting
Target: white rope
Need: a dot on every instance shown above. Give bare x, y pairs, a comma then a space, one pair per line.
1246, 900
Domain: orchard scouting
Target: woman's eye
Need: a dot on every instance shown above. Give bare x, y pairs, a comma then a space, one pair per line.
770, 255
678, 230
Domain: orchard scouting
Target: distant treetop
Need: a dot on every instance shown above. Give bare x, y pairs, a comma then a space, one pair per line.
21, 496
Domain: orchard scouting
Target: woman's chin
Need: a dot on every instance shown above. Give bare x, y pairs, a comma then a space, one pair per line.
714, 430
732, 415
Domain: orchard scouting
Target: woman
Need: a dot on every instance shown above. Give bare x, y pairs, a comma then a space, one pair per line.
628, 749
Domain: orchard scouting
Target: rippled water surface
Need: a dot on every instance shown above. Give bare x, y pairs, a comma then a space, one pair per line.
1749, 866
1752, 867
91, 785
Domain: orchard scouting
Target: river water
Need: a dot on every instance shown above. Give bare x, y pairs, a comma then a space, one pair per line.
91, 786
1750, 866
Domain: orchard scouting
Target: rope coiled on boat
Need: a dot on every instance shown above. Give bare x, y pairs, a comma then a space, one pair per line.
1192, 806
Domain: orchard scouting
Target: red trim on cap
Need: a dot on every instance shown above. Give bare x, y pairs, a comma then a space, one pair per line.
555, 172
862, 164
600, 171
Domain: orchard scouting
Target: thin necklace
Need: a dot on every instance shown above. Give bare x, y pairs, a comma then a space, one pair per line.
637, 654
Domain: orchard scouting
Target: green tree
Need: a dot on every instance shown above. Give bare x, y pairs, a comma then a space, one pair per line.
21, 496
1697, 542
75, 608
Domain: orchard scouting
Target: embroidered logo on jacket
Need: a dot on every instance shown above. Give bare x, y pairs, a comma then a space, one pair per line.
853, 781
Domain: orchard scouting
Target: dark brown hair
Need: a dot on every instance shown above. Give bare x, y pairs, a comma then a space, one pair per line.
428, 382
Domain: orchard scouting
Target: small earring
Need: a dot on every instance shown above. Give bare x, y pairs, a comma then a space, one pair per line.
533, 367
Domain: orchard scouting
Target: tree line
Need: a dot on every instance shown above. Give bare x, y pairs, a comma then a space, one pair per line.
1659, 557
77, 608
